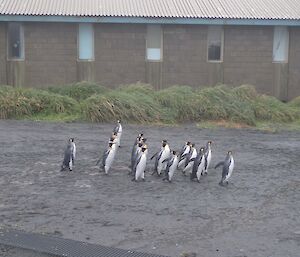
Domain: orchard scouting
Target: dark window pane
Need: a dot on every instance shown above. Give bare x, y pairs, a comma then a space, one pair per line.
14, 41
214, 53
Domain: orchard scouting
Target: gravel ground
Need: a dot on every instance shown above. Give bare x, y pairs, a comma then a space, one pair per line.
257, 214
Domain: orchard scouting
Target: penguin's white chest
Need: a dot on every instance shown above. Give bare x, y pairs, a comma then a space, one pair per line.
190, 164
187, 149
208, 158
231, 167
181, 163
141, 166
110, 159
165, 155
200, 168
173, 167
73, 150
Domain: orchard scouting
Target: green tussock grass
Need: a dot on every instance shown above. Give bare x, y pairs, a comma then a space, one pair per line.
79, 91
133, 103
22, 102
140, 103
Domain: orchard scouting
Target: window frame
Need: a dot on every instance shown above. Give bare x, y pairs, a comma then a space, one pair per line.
288, 45
161, 43
222, 45
78, 43
22, 41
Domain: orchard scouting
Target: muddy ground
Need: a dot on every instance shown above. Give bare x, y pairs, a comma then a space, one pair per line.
257, 214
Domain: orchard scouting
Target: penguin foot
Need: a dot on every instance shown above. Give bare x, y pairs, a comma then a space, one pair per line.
227, 183
133, 180
221, 184
143, 180
198, 180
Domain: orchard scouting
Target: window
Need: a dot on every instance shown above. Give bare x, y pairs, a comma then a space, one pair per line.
86, 41
154, 43
15, 41
215, 43
280, 44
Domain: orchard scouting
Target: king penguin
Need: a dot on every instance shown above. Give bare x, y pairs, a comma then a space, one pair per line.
69, 156
172, 163
228, 165
109, 156
118, 130
185, 149
162, 155
189, 160
207, 151
140, 164
199, 165
136, 148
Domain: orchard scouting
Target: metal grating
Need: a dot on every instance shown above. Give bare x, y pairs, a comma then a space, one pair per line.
210, 9
62, 247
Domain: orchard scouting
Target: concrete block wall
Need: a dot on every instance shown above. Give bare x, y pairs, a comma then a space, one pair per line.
51, 57
120, 54
185, 55
248, 54
3, 79
50, 54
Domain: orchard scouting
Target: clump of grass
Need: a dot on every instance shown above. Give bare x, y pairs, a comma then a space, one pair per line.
269, 108
20, 102
179, 102
225, 103
128, 103
79, 91
140, 103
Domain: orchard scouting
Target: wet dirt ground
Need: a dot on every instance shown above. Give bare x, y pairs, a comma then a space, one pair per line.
257, 214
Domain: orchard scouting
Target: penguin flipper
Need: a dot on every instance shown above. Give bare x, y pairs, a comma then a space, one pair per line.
154, 155
205, 162
193, 159
219, 164
166, 160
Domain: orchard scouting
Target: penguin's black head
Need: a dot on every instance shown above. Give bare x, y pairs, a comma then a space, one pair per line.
202, 149
72, 139
229, 152
144, 139
140, 144
110, 144
193, 145
113, 137
188, 143
174, 152
144, 148
209, 142
164, 142
119, 121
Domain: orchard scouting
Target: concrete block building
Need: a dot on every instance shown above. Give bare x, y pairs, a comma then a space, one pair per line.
161, 42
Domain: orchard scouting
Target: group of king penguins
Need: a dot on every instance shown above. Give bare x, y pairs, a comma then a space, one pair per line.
188, 160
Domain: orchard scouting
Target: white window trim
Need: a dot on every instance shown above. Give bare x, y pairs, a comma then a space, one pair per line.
93, 46
161, 47
288, 46
222, 48
22, 37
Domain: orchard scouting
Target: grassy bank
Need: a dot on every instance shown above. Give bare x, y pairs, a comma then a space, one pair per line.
140, 103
